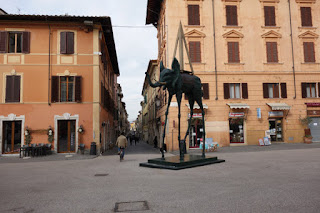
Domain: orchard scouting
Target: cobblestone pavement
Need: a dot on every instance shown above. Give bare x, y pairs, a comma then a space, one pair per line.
283, 180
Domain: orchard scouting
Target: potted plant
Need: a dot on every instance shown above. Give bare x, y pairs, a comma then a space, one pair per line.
307, 132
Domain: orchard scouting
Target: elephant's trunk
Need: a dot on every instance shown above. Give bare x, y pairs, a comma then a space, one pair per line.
157, 84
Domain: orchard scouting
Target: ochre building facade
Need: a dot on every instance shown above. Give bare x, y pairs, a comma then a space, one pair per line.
58, 76
258, 62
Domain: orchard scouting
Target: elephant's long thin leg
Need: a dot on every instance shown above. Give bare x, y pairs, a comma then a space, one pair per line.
191, 103
165, 124
179, 97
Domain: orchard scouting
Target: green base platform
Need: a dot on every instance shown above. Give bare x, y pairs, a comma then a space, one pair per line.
174, 163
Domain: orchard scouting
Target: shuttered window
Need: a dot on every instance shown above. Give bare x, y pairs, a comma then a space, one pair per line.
14, 42
77, 90
13, 83
272, 52
233, 52
54, 89
226, 91
308, 49
66, 89
269, 16
195, 51
245, 94
235, 90
3, 41
67, 42
310, 90
232, 16
283, 87
205, 87
274, 90
193, 15
306, 18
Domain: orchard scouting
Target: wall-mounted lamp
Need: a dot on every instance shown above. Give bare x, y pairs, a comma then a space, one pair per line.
81, 130
27, 131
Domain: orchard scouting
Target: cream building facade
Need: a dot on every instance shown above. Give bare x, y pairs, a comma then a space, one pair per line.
260, 59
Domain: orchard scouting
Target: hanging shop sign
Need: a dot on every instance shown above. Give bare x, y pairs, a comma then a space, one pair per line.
275, 114
313, 112
195, 115
236, 114
313, 104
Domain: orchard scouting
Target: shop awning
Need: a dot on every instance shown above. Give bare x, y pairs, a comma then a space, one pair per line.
238, 106
196, 106
279, 106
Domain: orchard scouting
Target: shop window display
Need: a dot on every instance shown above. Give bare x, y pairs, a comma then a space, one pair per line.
236, 130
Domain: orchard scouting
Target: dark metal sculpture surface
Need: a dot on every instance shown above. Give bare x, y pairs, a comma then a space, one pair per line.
178, 83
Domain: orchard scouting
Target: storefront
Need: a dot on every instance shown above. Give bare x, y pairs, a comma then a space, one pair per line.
196, 126
196, 130
314, 113
236, 121
237, 117
276, 117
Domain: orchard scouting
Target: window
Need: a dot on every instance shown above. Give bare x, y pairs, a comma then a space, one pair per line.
309, 54
13, 88
67, 42
205, 88
231, 15
272, 52
193, 15
269, 16
274, 90
306, 18
66, 89
310, 90
235, 90
233, 52
195, 51
14, 42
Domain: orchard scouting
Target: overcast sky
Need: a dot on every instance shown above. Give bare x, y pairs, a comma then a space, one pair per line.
135, 46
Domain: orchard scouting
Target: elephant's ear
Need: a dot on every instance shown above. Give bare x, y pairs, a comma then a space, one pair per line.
176, 70
175, 65
161, 66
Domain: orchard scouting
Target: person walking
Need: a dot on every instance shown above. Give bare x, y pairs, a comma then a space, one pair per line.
122, 142
155, 142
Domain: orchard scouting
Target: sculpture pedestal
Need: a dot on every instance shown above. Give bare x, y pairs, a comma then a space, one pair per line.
175, 163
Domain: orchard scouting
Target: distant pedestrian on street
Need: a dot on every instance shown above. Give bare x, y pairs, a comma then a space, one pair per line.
155, 142
135, 140
122, 142
132, 139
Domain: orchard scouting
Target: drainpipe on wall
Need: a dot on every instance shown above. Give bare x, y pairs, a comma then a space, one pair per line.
49, 64
214, 49
293, 68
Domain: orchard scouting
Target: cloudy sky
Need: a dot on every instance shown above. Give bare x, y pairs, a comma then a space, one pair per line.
135, 45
